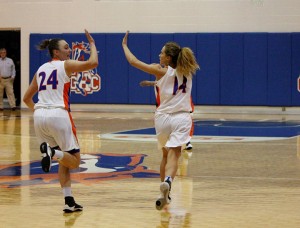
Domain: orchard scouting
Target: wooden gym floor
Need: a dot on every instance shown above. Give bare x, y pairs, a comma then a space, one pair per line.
221, 183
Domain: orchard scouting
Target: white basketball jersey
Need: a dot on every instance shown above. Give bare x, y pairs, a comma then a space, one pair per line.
173, 93
53, 86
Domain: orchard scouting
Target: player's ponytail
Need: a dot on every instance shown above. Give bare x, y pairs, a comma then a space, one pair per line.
186, 62
182, 59
51, 44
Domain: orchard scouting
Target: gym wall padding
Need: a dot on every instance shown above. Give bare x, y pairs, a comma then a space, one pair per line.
237, 69
116, 71
255, 68
279, 70
208, 57
295, 69
138, 94
231, 69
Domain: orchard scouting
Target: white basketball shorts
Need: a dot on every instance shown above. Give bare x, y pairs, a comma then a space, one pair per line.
55, 126
173, 130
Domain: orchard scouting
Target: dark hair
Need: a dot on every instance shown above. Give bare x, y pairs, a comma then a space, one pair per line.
182, 59
51, 44
172, 49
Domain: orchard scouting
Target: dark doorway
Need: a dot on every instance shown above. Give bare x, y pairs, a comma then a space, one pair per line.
11, 40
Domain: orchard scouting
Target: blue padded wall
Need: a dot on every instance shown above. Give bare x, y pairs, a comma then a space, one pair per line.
255, 68
116, 71
295, 68
101, 47
208, 78
138, 94
279, 69
231, 69
236, 68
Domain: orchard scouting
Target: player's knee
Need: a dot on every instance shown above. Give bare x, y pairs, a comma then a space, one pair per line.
76, 164
75, 159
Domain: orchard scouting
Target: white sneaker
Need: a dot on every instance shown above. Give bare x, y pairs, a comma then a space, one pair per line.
164, 197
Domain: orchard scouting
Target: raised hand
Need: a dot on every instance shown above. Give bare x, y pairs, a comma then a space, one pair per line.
89, 37
124, 42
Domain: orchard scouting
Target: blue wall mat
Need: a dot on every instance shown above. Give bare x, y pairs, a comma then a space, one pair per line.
236, 68
255, 68
231, 66
208, 78
279, 69
34, 56
295, 68
100, 40
139, 44
116, 70
189, 40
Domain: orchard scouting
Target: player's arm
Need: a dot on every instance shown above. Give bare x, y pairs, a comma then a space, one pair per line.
147, 83
153, 69
78, 66
31, 91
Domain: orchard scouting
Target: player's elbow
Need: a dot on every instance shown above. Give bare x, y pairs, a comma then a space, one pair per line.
93, 63
133, 62
26, 99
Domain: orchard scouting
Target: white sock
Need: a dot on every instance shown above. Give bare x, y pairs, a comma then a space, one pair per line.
59, 154
67, 191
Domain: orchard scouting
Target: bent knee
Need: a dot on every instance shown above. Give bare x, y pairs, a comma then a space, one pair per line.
76, 164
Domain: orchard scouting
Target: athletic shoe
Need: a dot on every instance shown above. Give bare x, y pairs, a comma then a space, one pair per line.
164, 197
189, 146
71, 206
47, 157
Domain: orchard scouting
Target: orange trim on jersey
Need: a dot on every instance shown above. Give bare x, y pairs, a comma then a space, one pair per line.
55, 59
157, 96
193, 126
73, 126
66, 102
192, 129
66, 95
192, 104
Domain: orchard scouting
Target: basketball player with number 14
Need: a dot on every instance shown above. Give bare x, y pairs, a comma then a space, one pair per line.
173, 122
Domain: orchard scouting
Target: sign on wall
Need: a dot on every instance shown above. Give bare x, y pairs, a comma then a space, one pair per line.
87, 82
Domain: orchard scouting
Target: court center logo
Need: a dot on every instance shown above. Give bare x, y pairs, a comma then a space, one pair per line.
93, 168
86, 82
